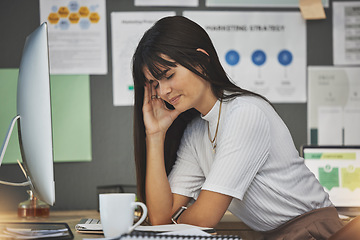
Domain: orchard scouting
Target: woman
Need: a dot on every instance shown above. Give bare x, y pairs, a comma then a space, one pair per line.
200, 137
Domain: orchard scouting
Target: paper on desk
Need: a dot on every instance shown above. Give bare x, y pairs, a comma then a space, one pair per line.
157, 228
169, 228
187, 232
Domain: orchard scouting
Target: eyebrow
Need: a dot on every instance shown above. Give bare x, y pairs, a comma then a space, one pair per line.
160, 75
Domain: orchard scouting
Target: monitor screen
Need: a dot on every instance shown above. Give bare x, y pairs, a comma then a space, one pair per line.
34, 109
34, 117
338, 170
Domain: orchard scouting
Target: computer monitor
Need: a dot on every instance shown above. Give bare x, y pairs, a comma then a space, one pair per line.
34, 116
338, 170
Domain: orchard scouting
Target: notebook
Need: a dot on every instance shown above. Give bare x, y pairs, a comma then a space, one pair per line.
338, 170
194, 234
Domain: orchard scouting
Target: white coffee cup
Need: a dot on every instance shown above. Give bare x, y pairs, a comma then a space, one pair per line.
117, 213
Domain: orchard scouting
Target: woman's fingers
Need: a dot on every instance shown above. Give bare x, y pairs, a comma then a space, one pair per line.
146, 93
152, 103
153, 91
154, 98
155, 111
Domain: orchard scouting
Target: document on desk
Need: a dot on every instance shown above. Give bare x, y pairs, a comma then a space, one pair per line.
172, 228
186, 234
94, 226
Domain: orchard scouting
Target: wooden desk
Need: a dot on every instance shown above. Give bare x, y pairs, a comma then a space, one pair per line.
229, 224
69, 217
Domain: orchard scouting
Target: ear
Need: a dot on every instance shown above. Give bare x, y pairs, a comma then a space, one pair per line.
202, 50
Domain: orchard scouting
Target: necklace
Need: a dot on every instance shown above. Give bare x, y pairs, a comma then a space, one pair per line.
213, 141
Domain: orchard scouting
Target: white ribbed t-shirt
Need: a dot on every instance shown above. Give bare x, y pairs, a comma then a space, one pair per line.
255, 162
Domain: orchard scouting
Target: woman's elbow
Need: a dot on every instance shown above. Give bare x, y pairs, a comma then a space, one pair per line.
201, 221
209, 223
159, 221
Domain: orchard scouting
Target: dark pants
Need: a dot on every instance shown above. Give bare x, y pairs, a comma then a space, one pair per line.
317, 224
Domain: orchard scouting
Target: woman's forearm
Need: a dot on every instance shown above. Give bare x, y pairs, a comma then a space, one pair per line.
158, 193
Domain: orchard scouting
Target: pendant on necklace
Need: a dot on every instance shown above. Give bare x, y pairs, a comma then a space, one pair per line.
214, 148
213, 141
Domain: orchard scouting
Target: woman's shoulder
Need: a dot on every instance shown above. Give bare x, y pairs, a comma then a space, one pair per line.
195, 124
247, 103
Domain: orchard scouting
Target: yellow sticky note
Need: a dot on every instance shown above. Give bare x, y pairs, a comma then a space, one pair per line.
312, 9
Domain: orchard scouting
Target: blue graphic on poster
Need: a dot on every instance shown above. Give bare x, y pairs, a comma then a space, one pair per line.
258, 57
232, 57
285, 57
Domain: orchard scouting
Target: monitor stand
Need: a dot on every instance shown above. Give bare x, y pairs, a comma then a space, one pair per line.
7, 137
3, 150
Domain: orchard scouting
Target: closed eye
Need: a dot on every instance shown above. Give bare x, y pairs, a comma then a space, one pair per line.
169, 77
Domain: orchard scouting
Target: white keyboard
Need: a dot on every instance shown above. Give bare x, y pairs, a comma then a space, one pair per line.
89, 221
89, 224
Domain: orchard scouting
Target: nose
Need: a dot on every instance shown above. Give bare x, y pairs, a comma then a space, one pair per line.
163, 89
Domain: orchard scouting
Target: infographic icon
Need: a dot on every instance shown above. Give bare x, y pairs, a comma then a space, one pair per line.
285, 57
232, 57
258, 57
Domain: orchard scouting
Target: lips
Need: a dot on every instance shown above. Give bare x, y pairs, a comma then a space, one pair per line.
174, 100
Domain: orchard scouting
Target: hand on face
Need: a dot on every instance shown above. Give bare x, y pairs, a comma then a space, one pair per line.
157, 118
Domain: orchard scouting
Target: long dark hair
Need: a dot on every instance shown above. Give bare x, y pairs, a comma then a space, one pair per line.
178, 38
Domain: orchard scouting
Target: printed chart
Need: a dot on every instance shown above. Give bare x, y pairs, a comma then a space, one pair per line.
77, 35
127, 28
333, 105
346, 27
264, 52
338, 171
